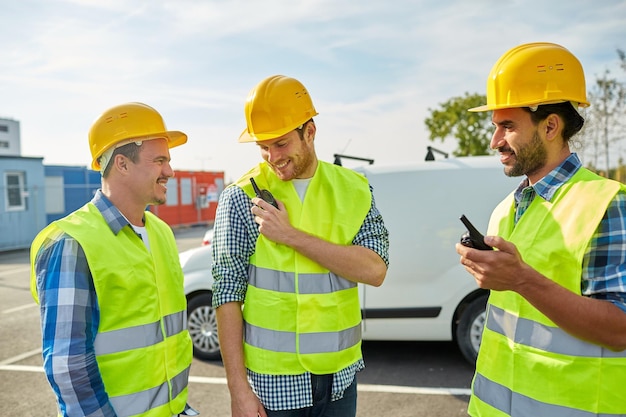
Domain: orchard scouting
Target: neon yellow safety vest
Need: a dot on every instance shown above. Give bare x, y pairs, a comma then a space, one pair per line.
298, 315
143, 348
527, 366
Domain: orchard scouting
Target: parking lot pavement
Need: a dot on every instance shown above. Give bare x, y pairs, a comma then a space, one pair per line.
402, 379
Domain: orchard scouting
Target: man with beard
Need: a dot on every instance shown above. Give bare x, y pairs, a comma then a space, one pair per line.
295, 347
555, 334
109, 281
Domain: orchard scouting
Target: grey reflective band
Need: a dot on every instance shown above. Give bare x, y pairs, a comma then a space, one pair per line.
138, 336
268, 279
273, 340
279, 281
328, 342
501, 397
322, 283
141, 402
319, 342
549, 339
128, 338
175, 323
179, 382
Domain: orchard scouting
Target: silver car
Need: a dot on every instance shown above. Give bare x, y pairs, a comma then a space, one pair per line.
202, 323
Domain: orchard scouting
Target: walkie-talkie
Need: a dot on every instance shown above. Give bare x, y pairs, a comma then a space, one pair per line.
473, 238
263, 194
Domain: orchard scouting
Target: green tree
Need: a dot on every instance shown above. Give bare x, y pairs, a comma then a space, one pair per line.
472, 130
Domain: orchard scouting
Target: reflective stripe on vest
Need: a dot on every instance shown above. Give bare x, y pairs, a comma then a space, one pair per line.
526, 364
500, 397
135, 404
321, 342
307, 283
129, 338
547, 339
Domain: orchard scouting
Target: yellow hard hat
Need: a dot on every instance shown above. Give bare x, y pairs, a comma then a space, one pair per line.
277, 105
121, 123
535, 73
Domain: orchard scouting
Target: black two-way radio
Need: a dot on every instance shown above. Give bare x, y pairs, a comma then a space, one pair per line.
263, 194
473, 238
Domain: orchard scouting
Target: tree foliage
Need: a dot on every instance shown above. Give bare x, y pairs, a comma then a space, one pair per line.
604, 125
607, 103
472, 130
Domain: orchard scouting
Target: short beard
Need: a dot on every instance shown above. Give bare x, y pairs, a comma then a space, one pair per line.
304, 164
298, 168
529, 159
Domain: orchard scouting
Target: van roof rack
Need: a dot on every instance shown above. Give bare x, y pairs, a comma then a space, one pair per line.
430, 156
338, 158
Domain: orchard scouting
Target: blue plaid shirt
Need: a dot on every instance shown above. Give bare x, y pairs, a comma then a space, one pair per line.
231, 254
70, 319
604, 263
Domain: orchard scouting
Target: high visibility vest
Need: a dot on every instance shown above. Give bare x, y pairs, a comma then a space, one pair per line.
143, 348
527, 366
298, 316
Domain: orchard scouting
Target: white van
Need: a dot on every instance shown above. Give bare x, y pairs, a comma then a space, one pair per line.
427, 294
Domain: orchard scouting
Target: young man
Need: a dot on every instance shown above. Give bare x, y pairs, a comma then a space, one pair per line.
554, 339
108, 278
295, 348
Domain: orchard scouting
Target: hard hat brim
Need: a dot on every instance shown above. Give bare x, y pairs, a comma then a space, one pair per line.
246, 137
174, 138
484, 107
488, 107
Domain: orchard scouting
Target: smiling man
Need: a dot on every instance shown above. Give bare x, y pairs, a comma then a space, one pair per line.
295, 348
110, 285
555, 337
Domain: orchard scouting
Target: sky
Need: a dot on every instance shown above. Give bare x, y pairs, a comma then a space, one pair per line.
374, 69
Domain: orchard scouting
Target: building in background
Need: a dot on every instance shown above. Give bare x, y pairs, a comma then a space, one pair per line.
10, 143
22, 194
68, 188
191, 198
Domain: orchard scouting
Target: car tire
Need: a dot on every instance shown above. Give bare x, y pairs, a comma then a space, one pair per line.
202, 324
470, 328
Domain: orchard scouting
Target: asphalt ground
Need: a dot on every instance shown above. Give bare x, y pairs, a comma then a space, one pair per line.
401, 379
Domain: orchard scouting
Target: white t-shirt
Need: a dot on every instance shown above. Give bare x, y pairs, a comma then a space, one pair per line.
141, 231
301, 186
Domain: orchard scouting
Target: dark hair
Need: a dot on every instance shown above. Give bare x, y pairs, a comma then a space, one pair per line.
130, 151
300, 130
572, 120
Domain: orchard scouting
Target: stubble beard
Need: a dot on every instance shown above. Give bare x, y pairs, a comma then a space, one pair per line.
528, 159
299, 167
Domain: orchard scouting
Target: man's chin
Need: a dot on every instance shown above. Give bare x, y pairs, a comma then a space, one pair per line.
512, 171
157, 202
284, 176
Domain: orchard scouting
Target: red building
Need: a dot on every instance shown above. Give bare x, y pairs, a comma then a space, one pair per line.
191, 198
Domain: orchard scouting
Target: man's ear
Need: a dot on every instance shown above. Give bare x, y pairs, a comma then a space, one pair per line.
120, 163
553, 126
310, 130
